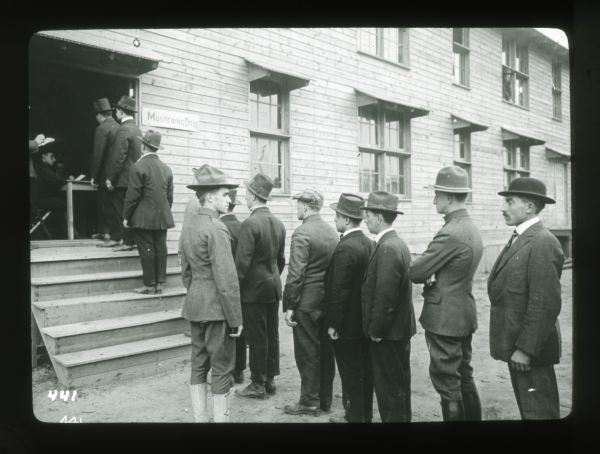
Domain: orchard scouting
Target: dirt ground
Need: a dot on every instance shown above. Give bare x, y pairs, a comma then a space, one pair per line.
165, 397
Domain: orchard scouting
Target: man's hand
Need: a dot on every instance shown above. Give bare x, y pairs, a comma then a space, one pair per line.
430, 281
109, 185
125, 223
376, 339
40, 139
93, 183
520, 361
288, 318
333, 334
238, 333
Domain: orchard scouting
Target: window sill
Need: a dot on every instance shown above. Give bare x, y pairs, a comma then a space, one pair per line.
466, 87
557, 119
377, 57
515, 105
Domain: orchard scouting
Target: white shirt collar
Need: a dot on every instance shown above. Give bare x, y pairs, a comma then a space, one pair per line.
124, 118
347, 232
525, 225
380, 234
256, 207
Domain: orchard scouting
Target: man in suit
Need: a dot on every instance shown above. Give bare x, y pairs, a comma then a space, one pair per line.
449, 316
124, 151
260, 259
103, 137
234, 225
525, 297
212, 302
343, 310
311, 249
147, 211
387, 309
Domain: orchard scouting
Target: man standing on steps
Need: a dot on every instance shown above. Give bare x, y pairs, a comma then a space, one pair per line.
147, 211
260, 260
212, 302
234, 225
449, 315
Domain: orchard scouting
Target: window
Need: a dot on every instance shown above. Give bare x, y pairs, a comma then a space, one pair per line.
384, 156
556, 91
515, 73
461, 51
387, 43
516, 161
462, 156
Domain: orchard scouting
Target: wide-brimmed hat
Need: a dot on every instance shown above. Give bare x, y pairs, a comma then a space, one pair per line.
528, 187
452, 179
233, 197
260, 185
127, 103
151, 139
209, 177
101, 105
311, 197
382, 201
349, 205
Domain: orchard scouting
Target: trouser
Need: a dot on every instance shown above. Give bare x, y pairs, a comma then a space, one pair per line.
315, 360
212, 348
261, 327
152, 247
240, 353
450, 365
116, 201
391, 378
536, 392
354, 363
103, 210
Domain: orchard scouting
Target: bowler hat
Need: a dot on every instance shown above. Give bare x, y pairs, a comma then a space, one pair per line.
311, 197
209, 177
349, 205
151, 139
529, 187
232, 197
452, 179
260, 185
101, 105
127, 103
382, 201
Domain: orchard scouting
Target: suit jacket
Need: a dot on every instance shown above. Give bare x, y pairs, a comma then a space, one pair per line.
260, 257
387, 307
149, 195
343, 281
124, 151
524, 291
208, 270
313, 243
234, 225
103, 137
453, 256
47, 182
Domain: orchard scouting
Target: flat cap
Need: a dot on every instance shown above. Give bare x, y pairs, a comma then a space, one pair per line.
311, 197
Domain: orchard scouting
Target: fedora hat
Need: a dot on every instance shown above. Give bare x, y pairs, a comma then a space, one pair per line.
260, 185
233, 197
127, 103
311, 197
101, 105
209, 177
528, 187
151, 139
452, 179
349, 205
382, 201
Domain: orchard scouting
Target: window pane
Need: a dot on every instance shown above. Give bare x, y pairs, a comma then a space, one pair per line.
507, 85
395, 174
462, 150
521, 90
402, 45
509, 155
457, 35
390, 44
367, 38
524, 157
267, 156
557, 105
556, 76
394, 130
507, 53
368, 130
369, 172
521, 59
265, 105
456, 68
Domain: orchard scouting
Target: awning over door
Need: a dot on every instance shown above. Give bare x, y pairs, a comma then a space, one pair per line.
554, 155
462, 125
262, 73
80, 48
513, 134
364, 98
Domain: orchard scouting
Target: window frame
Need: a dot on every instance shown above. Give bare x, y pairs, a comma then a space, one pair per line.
463, 50
516, 170
380, 48
517, 69
556, 90
466, 164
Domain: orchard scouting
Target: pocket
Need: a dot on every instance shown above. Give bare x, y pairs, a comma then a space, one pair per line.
432, 298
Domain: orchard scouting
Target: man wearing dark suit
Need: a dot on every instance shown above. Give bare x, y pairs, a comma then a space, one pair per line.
260, 259
212, 302
525, 297
387, 309
147, 211
234, 225
449, 316
343, 310
311, 249
124, 151
103, 137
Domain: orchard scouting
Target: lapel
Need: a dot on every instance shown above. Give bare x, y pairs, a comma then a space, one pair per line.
381, 240
519, 243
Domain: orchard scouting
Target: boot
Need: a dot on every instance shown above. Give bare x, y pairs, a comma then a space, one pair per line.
199, 394
270, 387
253, 391
472, 406
452, 410
221, 407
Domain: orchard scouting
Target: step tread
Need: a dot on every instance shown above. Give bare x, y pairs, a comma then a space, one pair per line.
65, 279
60, 254
94, 326
107, 298
122, 350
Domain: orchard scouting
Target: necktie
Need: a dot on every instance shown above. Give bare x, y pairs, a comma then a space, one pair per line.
512, 239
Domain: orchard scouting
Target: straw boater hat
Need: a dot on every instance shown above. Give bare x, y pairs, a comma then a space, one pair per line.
127, 103
452, 179
528, 187
233, 197
260, 185
381, 201
151, 139
311, 197
102, 105
349, 205
209, 177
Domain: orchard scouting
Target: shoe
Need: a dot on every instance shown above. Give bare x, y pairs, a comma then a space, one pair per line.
270, 387
299, 409
338, 419
472, 406
125, 247
109, 243
252, 391
159, 288
145, 290
326, 408
101, 236
453, 410
238, 377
